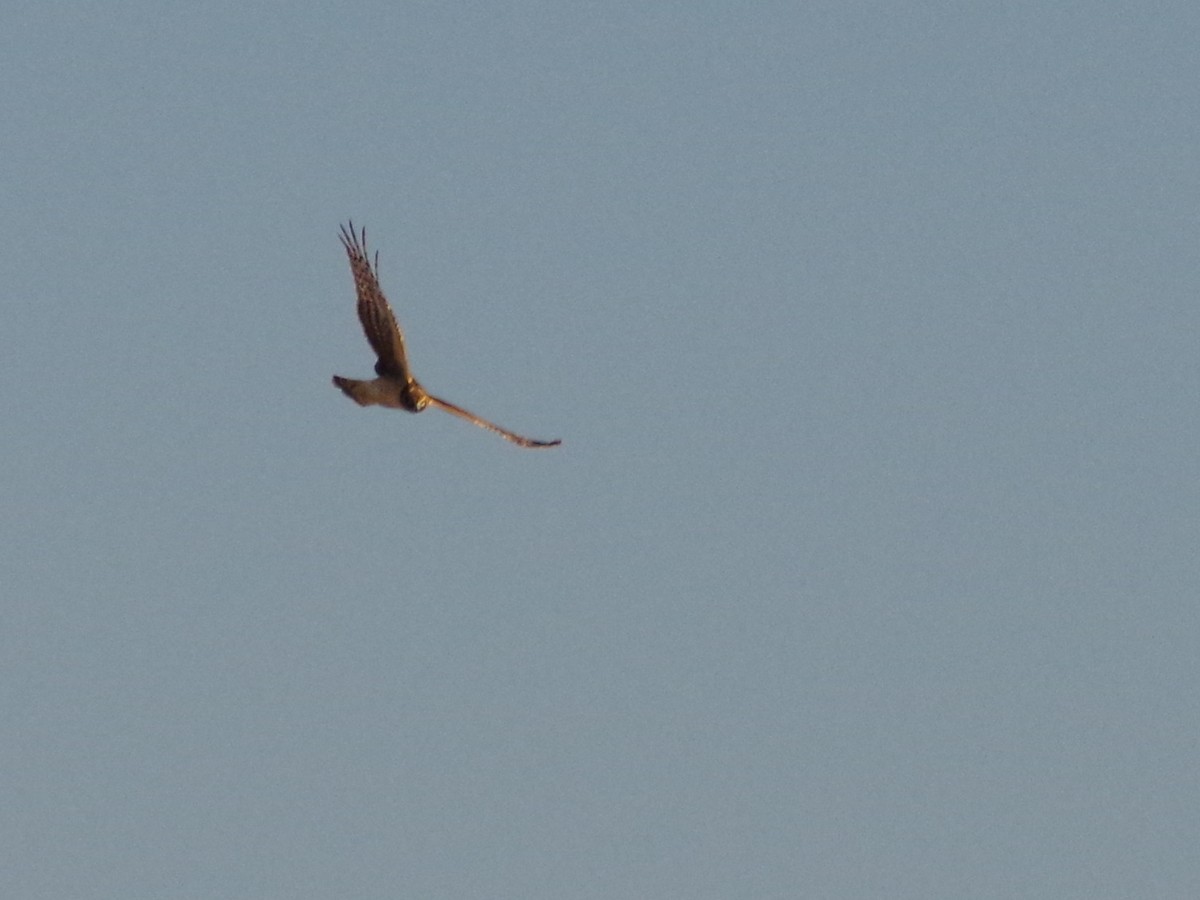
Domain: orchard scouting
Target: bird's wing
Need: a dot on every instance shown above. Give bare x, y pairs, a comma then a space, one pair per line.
490, 426
378, 320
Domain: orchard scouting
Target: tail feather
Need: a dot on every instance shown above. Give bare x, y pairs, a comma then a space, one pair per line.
351, 388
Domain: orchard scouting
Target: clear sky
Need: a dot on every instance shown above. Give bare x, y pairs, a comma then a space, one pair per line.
868, 567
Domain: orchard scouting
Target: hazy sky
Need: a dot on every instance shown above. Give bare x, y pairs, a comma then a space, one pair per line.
868, 567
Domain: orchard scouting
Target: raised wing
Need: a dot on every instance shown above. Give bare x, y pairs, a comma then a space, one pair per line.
490, 426
378, 320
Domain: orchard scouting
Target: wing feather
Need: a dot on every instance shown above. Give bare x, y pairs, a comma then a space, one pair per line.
378, 321
490, 426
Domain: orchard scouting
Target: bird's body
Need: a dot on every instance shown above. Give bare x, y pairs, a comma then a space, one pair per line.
395, 387
384, 391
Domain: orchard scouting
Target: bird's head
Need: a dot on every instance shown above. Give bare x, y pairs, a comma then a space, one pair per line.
413, 397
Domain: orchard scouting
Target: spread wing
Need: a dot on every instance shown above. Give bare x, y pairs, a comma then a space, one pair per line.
490, 426
378, 320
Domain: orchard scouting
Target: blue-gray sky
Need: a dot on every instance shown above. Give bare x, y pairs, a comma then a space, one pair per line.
868, 567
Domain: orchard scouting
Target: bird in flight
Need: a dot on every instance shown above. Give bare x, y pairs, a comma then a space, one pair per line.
395, 387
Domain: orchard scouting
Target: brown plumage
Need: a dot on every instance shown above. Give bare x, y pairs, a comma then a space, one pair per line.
395, 387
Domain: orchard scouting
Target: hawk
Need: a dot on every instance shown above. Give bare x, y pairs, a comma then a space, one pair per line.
395, 387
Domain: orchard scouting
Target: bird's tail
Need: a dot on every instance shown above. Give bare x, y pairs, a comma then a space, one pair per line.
352, 389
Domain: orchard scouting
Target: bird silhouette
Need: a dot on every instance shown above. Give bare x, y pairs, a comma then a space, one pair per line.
395, 386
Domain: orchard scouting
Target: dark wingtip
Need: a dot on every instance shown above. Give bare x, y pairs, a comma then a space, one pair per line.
350, 238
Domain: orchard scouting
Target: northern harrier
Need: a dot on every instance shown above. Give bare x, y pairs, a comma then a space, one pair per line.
395, 387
